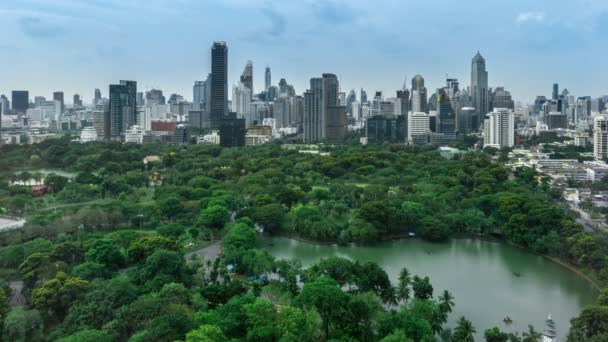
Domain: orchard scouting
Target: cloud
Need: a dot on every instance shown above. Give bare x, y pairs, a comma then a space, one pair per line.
534, 17
277, 21
38, 28
333, 13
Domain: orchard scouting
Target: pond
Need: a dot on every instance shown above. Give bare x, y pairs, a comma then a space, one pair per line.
489, 280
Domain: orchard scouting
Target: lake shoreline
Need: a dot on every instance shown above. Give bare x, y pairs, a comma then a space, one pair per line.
564, 264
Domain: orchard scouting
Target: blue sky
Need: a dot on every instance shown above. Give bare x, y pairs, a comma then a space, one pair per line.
79, 45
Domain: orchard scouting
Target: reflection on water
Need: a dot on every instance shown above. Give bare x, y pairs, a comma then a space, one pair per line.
480, 274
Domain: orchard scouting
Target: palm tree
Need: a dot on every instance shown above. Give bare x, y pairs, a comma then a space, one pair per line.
403, 289
531, 335
464, 331
446, 301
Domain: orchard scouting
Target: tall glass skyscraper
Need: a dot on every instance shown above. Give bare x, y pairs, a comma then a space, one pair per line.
20, 100
123, 109
219, 83
479, 85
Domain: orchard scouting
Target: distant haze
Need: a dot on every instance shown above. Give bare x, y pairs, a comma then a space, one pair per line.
76, 46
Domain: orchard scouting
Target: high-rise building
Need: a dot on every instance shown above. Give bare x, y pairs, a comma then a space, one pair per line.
21, 101
468, 121
232, 131
453, 86
38, 101
154, 97
446, 115
198, 94
600, 137
267, 79
418, 125
219, 83
314, 111
363, 96
501, 99
380, 129
247, 76
5, 105
123, 108
479, 85
97, 96
58, 96
241, 100
421, 97
352, 97
77, 101
555, 91
140, 99
499, 128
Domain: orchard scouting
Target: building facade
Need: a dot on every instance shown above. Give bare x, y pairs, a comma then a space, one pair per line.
600, 137
499, 128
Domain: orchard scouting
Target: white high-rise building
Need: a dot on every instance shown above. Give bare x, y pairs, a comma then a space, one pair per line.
418, 123
241, 100
600, 137
499, 128
88, 134
134, 135
416, 102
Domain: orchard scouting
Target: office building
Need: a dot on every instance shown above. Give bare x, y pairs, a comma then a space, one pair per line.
219, 83
154, 97
180, 135
267, 79
557, 120
58, 96
467, 121
499, 128
247, 76
88, 134
380, 129
555, 94
418, 124
77, 101
134, 135
5, 105
123, 108
324, 118
420, 104
501, 99
446, 115
21, 101
96, 97
600, 137
479, 84
232, 131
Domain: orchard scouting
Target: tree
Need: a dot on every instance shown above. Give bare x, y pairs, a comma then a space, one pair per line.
602, 298
163, 267
238, 241
261, 317
215, 216
325, 296
171, 207
143, 247
269, 216
294, 324
464, 331
55, 182
403, 289
91, 270
422, 288
206, 333
104, 251
591, 323
531, 335
171, 230
88, 335
446, 302
55, 296
495, 335
22, 325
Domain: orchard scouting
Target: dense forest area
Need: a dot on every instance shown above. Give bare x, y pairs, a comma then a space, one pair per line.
101, 257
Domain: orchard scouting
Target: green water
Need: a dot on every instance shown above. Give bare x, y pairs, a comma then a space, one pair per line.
479, 274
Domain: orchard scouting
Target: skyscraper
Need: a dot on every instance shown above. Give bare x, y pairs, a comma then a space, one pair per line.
418, 86
479, 85
155, 97
267, 79
600, 137
58, 96
499, 128
324, 118
97, 96
219, 83
77, 101
501, 99
247, 76
555, 91
363, 96
198, 94
20, 100
447, 118
123, 108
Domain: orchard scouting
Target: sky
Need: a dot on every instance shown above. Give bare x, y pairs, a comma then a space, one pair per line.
78, 45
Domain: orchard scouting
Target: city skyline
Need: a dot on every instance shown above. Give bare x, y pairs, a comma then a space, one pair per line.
533, 51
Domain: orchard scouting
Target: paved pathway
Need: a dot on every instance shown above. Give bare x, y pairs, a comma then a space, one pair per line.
208, 253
